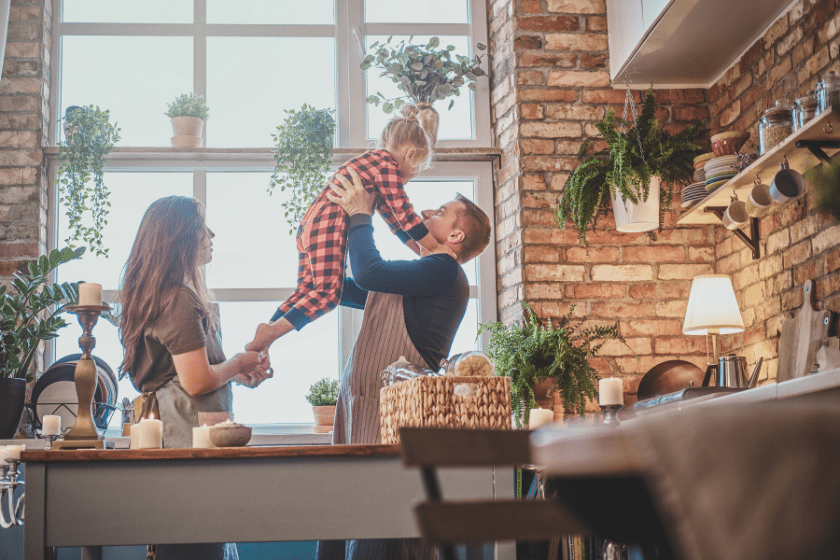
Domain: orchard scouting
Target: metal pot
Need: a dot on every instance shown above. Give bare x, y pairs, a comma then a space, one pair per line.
731, 371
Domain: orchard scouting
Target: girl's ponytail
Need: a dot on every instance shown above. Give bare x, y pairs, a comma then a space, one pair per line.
406, 129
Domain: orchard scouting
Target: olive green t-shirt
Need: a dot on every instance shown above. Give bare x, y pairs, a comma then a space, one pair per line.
182, 328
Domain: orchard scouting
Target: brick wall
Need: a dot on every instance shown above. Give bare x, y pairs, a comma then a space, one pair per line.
546, 94
797, 243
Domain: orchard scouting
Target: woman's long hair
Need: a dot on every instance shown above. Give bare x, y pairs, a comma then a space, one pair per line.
163, 259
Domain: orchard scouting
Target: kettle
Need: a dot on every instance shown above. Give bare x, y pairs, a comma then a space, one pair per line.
731, 371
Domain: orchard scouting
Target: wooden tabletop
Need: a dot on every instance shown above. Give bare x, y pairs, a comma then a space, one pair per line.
112, 455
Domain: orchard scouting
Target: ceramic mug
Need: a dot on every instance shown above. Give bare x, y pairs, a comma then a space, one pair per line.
759, 201
735, 215
787, 185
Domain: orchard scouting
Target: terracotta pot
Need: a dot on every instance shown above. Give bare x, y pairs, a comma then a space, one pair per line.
324, 418
547, 395
428, 119
12, 395
187, 126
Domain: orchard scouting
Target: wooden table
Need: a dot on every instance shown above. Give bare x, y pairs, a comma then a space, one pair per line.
93, 498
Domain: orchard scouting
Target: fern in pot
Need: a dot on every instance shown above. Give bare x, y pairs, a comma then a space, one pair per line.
636, 171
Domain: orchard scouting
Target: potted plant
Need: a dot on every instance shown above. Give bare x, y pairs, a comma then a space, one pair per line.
188, 113
304, 152
537, 350
26, 318
826, 182
637, 170
323, 394
89, 138
426, 73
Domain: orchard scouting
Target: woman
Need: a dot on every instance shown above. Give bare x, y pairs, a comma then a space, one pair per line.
169, 328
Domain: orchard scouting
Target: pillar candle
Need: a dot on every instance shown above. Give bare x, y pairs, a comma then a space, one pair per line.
135, 436
201, 438
51, 425
90, 294
12, 452
151, 434
539, 417
2, 455
610, 391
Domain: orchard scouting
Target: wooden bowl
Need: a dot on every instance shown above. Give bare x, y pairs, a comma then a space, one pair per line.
728, 143
230, 434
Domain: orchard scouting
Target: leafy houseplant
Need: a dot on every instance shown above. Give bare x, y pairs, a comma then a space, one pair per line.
535, 351
188, 113
304, 151
426, 73
635, 153
188, 105
26, 318
826, 182
81, 159
323, 392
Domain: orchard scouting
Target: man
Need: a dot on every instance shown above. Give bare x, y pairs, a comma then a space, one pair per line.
412, 309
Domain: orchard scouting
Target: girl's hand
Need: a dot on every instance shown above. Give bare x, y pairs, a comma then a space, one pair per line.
352, 197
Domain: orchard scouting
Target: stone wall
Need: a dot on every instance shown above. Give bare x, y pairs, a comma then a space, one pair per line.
546, 94
797, 243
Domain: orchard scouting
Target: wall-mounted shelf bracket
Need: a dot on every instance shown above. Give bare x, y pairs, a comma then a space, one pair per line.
817, 147
750, 241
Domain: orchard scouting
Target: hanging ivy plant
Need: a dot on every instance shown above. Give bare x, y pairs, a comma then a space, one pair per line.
81, 188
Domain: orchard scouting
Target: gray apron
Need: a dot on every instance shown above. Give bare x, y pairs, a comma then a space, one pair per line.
382, 340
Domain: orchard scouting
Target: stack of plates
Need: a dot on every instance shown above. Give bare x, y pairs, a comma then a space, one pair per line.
719, 170
693, 193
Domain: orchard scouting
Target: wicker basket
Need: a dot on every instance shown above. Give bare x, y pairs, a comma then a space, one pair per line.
431, 402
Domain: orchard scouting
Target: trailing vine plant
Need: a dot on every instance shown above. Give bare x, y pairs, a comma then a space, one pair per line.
304, 151
81, 188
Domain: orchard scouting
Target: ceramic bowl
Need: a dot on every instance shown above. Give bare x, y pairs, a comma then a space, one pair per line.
230, 434
701, 160
728, 143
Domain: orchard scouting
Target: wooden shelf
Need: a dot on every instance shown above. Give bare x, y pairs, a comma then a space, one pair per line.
825, 126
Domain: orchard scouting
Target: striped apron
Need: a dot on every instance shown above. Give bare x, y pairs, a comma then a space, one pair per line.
382, 340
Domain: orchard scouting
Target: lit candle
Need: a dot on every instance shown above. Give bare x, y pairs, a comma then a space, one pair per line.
51, 425
90, 294
201, 438
134, 432
610, 391
539, 417
151, 433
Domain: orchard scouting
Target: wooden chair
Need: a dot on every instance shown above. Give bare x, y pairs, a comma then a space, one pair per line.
446, 523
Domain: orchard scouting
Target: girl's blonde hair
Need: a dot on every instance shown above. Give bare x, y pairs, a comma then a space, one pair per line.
406, 129
163, 259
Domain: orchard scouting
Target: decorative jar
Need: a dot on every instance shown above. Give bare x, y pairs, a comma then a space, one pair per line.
775, 126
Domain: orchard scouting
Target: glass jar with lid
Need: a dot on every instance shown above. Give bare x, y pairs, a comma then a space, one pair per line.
804, 109
828, 90
775, 126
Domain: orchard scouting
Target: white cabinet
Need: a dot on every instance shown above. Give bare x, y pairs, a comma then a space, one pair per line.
625, 31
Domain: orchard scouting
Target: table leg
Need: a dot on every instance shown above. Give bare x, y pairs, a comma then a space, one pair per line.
91, 553
34, 530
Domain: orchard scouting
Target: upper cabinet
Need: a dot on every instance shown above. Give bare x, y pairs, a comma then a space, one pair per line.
683, 42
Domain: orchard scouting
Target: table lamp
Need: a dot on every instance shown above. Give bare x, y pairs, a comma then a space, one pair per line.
712, 309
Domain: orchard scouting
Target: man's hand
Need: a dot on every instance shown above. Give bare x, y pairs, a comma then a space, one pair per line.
352, 197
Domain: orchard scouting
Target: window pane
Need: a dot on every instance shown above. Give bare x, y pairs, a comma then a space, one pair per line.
131, 195
271, 12
253, 247
133, 77
465, 337
411, 11
127, 11
252, 80
300, 358
455, 124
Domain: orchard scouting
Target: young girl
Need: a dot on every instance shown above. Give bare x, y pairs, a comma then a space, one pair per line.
404, 149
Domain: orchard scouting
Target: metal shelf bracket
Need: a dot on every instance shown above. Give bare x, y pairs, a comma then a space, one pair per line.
750, 241
817, 147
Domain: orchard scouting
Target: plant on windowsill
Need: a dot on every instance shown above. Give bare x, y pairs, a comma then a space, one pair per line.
425, 73
81, 158
302, 159
557, 350
323, 394
29, 315
636, 171
188, 112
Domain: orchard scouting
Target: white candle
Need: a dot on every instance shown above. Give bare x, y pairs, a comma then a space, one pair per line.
201, 438
610, 391
51, 425
12, 452
151, 434
539, 417
2, 454
135, 436
90, 294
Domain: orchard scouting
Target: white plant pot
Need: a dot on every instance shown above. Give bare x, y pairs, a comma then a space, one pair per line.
636, 218
187, 126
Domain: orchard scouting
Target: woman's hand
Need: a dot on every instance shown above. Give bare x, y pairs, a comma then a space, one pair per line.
352, 197
253, 373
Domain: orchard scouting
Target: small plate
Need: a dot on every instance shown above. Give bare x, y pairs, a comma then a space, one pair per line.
712, 186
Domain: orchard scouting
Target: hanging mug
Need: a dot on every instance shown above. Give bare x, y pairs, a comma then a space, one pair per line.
759, 201
735, 215
787, 184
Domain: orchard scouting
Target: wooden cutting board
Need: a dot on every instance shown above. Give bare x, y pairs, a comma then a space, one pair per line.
801, 337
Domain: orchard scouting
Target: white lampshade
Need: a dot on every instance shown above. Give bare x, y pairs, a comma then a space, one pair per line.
712, 307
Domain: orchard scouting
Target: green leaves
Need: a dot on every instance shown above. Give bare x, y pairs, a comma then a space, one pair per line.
302, 161
90, 137
188, 105
323, 392
423, 72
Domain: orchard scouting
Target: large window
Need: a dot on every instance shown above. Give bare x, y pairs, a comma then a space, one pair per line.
252, 60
